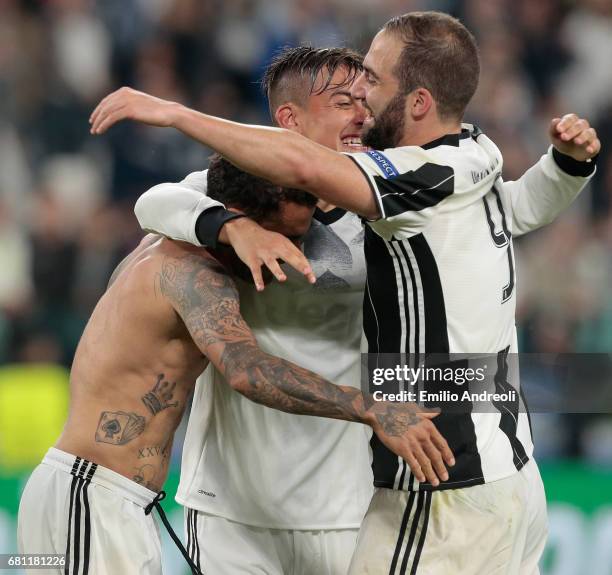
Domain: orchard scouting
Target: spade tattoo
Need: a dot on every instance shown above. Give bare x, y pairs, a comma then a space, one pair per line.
119, 427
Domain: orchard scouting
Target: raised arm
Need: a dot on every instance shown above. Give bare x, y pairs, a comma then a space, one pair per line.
280, 156
206, 299
551, 185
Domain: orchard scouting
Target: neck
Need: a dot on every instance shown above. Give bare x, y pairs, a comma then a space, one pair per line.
421, 133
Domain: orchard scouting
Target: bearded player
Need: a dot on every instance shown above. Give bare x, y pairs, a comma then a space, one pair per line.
291, 508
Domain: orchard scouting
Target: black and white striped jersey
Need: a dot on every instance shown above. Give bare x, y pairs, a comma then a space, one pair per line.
441, 279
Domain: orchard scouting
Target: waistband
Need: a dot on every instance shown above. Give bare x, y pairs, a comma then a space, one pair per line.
99, 475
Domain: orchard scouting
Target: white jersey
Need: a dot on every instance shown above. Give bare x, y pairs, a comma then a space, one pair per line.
442, 280
263, 467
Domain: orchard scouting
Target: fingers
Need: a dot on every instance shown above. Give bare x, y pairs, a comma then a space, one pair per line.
566, 122
297, 260
571, 130
553, 128
571, 127
276, 270
271, 258
106, 105
257, 277
589, 141
585, 136
107, 118
426, 465
441, 444
427, 453
111, 110
430, 413
437, 462
594, 147
415, 466
574, 136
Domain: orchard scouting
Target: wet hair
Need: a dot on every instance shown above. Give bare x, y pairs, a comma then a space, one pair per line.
257, 198
439, 54
293, 73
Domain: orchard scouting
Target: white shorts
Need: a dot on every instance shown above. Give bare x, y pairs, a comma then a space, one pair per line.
223, 547
492, 529
92, 515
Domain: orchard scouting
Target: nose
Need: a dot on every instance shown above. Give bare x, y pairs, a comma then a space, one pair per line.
359, 113
358, 88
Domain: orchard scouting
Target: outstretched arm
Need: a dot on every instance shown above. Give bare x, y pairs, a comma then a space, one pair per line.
280, 156
206, 299
551, 185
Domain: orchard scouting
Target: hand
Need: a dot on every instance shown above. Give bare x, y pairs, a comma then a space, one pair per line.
407, 430
573, 136
129, 104
256, 246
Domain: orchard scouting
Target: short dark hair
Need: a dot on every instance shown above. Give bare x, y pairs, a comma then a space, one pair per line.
439, 54
293, 72
256, 197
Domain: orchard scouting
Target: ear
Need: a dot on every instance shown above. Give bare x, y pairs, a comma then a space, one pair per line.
421, 102
287, 116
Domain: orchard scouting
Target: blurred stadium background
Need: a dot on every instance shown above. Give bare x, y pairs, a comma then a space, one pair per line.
66, 198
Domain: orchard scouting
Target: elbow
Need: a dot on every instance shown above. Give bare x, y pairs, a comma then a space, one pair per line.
140, 209
304, 178
149, 203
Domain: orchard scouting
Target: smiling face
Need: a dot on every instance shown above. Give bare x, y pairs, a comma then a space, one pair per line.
378, 86
332, 117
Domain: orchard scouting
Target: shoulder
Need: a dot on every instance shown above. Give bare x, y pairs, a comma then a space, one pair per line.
192, 275
394, 163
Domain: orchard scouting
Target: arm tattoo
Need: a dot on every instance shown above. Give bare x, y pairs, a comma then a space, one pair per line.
283, 385
206, 299
396, 420
118, 427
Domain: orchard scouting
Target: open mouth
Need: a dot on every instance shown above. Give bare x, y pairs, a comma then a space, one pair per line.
353, 144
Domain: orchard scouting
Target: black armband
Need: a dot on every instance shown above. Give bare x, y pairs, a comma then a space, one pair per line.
574, 167
209, 224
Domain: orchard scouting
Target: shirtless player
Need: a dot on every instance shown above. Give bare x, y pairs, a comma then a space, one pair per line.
170, 310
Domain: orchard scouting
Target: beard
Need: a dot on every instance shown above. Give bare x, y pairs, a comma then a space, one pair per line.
388, 127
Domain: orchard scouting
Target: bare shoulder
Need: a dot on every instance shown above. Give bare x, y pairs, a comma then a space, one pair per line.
147, 242
191, 277
204, 295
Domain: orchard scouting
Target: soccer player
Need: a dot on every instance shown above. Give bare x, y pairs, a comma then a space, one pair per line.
440, 276
170, 309
292, 510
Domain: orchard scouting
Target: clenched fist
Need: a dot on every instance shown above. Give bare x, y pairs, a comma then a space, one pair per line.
573, 136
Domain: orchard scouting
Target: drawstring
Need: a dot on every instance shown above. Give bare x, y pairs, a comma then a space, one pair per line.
155, 503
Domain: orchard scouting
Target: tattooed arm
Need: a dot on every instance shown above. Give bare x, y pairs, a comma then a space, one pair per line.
206, 299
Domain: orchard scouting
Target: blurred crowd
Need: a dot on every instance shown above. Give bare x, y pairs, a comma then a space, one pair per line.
66, 198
